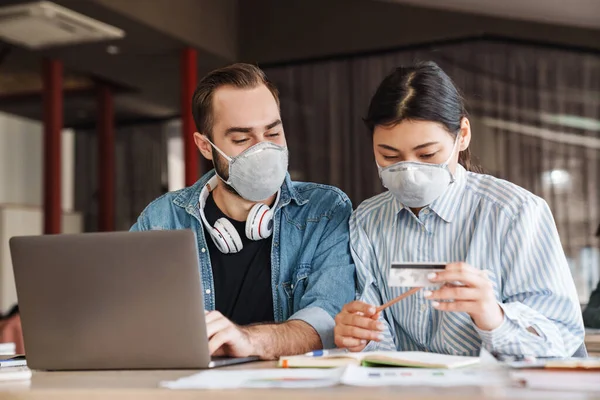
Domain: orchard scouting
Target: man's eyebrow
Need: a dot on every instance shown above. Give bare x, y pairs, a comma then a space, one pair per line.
243, 129
237, 129
273, 124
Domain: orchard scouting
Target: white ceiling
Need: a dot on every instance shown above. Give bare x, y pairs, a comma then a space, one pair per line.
580, 13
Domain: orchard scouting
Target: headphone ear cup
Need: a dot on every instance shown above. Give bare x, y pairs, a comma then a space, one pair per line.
219, 241
259, 224
226, 237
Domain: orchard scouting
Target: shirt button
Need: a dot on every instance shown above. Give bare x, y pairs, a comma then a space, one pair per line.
423, 307
203, 250
207, 291
425, 211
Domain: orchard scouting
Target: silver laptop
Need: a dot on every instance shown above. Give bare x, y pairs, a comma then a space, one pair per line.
121, 300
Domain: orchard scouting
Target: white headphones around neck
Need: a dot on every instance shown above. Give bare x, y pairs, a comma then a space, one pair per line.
259, 224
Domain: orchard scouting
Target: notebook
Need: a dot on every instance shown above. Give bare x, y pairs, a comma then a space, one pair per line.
413, 359
578, 364
17, 360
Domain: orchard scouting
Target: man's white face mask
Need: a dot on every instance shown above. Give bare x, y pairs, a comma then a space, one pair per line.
258, 172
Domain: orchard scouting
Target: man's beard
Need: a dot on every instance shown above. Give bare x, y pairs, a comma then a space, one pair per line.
222, 167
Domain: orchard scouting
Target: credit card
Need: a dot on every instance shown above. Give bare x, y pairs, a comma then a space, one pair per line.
413, 274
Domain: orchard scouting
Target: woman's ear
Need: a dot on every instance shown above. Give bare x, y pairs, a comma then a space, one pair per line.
465, 134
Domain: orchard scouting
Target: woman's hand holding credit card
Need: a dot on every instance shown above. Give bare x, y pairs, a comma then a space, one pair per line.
452, 287
458, 287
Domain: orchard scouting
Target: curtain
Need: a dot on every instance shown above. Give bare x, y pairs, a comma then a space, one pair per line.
141, 172
535, 113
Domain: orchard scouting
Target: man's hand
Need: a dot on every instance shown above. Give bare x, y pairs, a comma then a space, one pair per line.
476, 298
356, 324
10, 332
226, 338
268, 341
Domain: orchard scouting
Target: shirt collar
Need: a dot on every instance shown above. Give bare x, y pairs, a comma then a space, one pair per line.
447, 204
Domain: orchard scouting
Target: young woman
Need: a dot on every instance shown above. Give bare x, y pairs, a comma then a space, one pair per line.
498, 240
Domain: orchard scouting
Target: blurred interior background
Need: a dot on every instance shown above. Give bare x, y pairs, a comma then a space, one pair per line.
529, 70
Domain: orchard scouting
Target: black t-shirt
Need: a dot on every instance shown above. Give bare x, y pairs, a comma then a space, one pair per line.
242, 280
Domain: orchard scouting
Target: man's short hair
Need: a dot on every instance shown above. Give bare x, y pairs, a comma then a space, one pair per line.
240, 75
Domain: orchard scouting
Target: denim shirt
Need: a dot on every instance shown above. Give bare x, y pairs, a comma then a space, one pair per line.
312, 272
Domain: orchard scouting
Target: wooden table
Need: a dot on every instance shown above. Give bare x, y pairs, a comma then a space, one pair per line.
126, 385
592, 342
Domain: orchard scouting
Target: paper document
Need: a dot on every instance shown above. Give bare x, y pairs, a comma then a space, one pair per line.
258, 378
7, 349
15, 374
365, 376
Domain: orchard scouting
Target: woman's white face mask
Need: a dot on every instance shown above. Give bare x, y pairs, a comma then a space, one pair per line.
418, 184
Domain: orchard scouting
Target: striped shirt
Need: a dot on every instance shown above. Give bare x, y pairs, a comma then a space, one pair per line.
490, 224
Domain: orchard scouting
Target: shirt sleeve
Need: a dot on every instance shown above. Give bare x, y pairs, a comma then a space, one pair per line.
366, 284
331, 282
142, 222
139, 225
542, 316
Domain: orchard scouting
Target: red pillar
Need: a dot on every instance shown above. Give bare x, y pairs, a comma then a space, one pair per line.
52, 99
189, 77
106, 159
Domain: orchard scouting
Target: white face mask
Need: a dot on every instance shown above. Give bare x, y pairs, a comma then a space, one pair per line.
417, 184
258, 172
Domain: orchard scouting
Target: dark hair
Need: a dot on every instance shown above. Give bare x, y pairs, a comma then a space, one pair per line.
421, 92
240, 75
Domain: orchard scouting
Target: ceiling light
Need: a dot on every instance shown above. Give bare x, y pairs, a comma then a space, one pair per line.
43, 24
558, 178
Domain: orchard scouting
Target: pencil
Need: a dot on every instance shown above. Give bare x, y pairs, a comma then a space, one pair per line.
397, 299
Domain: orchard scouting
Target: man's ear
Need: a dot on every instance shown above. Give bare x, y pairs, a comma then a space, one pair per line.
465, 134
203, 145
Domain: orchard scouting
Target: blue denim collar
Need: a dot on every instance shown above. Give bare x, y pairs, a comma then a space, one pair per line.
188, 198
